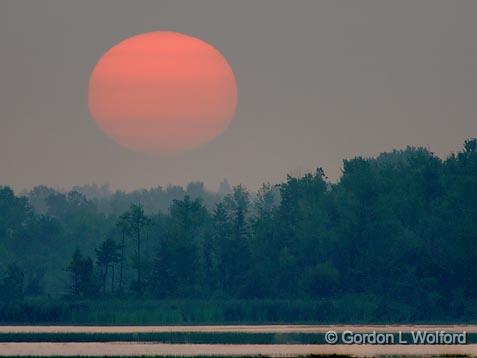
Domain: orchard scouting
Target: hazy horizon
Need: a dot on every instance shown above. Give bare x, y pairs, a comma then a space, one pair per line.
297, 172
318, 82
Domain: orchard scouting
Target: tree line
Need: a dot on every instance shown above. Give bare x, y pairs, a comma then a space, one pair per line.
399, 229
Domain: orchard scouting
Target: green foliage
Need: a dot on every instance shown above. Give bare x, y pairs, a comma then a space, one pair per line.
135, 221
11, 289
393, 240
84, 281
108, 255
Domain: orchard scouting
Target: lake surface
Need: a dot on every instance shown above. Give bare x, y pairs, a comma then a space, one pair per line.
164, 349
236, 328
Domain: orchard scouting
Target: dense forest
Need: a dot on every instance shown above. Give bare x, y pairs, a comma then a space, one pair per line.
394, 239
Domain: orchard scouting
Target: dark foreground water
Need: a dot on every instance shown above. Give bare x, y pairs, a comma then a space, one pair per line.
35, 347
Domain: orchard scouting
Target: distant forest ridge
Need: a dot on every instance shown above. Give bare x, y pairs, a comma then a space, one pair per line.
108, 201
394, 239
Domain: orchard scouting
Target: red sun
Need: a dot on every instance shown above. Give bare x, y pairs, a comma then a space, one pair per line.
162, 92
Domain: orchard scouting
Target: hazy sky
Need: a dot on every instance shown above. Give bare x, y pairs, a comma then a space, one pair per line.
318, 81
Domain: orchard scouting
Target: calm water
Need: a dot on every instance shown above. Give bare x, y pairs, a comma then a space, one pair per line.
132, 348
235, 328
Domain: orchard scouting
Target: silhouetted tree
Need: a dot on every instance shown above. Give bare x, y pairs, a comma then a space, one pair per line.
123, 225
393, 239
176, 263
75, 267
137, 221
84, 281
107, 256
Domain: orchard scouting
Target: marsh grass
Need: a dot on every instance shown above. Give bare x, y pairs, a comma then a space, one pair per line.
115, 311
